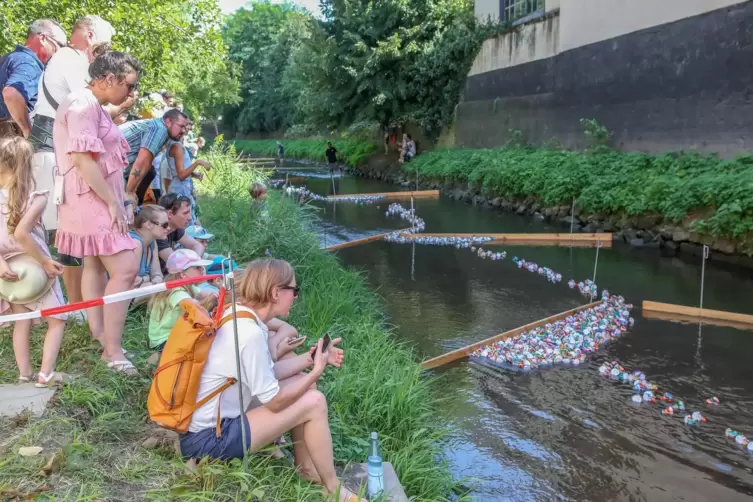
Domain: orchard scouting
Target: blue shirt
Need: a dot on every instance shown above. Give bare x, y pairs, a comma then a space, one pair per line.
181, 187
149, 133
20, 69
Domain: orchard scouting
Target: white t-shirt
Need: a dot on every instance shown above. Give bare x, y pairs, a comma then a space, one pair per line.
257, 372
66, 72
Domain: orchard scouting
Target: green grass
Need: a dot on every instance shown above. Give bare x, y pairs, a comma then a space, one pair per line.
354, 152
715, 196
95, 426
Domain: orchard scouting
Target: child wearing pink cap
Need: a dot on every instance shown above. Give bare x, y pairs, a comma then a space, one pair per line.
164, 307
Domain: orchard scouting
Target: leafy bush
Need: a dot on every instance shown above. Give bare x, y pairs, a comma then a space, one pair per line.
715, 195
354, 152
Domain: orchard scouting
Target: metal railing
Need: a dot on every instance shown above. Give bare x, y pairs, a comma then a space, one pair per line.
512, 10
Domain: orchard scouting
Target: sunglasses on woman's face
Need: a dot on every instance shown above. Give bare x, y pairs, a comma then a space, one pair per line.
164, 225
295, 289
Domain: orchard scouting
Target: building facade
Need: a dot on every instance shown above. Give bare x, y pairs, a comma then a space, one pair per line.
661, 75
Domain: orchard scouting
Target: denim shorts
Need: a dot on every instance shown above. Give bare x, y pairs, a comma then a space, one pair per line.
205, 443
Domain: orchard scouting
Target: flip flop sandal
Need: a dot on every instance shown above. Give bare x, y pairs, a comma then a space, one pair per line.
54, 378
26, 379
125, 367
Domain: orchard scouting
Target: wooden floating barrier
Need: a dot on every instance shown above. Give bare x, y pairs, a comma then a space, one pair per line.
291, 179
365, 240
465, 352
421, 194
569, 240
671, 312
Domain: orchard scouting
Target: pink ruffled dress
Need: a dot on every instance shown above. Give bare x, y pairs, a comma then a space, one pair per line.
10, 248
84, 229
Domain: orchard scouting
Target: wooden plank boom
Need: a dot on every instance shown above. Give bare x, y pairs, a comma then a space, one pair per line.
422, 194
576, 240
365, 240
668, 311
466, 351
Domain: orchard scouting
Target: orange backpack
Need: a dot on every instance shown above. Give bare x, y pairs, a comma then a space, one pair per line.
175, 386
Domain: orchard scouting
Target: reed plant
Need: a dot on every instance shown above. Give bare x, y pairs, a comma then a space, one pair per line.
93, 430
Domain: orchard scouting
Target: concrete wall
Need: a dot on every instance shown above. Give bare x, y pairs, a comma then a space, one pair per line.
588, 21
686, 84
529, 42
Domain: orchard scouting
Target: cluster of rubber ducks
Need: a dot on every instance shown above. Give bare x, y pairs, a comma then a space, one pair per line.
646, 392
409, 215
305, 193
551, 275
567, 341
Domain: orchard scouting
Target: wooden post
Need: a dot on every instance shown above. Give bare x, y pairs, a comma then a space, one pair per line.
465, 352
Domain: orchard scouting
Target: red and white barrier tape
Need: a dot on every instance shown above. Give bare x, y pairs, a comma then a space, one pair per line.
105, 300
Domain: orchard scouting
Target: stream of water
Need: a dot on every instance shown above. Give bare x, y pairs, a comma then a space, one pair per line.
561, 433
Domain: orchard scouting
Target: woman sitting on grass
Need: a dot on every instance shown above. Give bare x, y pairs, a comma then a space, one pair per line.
278, 397
164, 307
148, 226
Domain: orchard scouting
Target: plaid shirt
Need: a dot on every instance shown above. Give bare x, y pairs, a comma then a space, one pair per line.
150, 134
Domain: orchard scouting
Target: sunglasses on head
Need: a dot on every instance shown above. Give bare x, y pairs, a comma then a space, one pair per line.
164, 224
295, 289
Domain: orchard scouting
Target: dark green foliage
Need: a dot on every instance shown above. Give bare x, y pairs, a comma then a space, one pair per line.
383, 63
354, 153
714, 195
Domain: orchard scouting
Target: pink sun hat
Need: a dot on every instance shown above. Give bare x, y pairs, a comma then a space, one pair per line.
183, 259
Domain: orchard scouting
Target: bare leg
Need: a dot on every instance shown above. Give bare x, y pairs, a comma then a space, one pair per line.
122, 268
301, 454
52, 341
21, 335
72, 279
309, 412
93, 281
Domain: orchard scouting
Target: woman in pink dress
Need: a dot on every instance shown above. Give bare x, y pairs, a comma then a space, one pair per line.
91, 158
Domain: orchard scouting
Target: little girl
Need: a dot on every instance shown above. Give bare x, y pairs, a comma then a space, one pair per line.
164, 307
22, 232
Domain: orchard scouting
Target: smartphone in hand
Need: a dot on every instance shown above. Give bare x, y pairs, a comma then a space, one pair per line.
325, 345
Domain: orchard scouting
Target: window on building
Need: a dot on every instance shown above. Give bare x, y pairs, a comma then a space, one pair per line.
512, 10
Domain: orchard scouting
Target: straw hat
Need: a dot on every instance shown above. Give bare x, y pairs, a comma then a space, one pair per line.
33, 281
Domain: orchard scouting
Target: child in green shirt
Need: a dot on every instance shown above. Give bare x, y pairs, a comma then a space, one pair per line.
164, 307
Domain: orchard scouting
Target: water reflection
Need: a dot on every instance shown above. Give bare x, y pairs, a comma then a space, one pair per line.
563, 433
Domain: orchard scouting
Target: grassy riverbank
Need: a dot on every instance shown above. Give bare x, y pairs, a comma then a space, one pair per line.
354, 152
710, 195
95, 427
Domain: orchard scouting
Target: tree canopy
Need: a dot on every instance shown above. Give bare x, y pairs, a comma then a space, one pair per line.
177, 41
383, 63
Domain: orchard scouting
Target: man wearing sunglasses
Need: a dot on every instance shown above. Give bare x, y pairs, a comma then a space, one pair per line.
178, 217
146, 138
19, 76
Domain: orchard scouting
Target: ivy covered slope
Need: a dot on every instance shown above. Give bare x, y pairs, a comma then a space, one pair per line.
701, 194
354, 152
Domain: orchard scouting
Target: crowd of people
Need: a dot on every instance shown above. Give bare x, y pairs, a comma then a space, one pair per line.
74, 162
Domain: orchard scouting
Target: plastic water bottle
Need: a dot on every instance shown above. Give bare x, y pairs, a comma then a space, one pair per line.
375, 468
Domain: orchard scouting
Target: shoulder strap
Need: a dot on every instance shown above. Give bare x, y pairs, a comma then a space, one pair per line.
241, 315
54, 104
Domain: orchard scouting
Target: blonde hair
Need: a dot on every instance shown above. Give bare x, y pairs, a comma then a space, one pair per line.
15, 155
260, 277
160, 301
256, 190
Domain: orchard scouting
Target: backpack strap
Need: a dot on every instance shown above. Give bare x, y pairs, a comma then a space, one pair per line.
243, 314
